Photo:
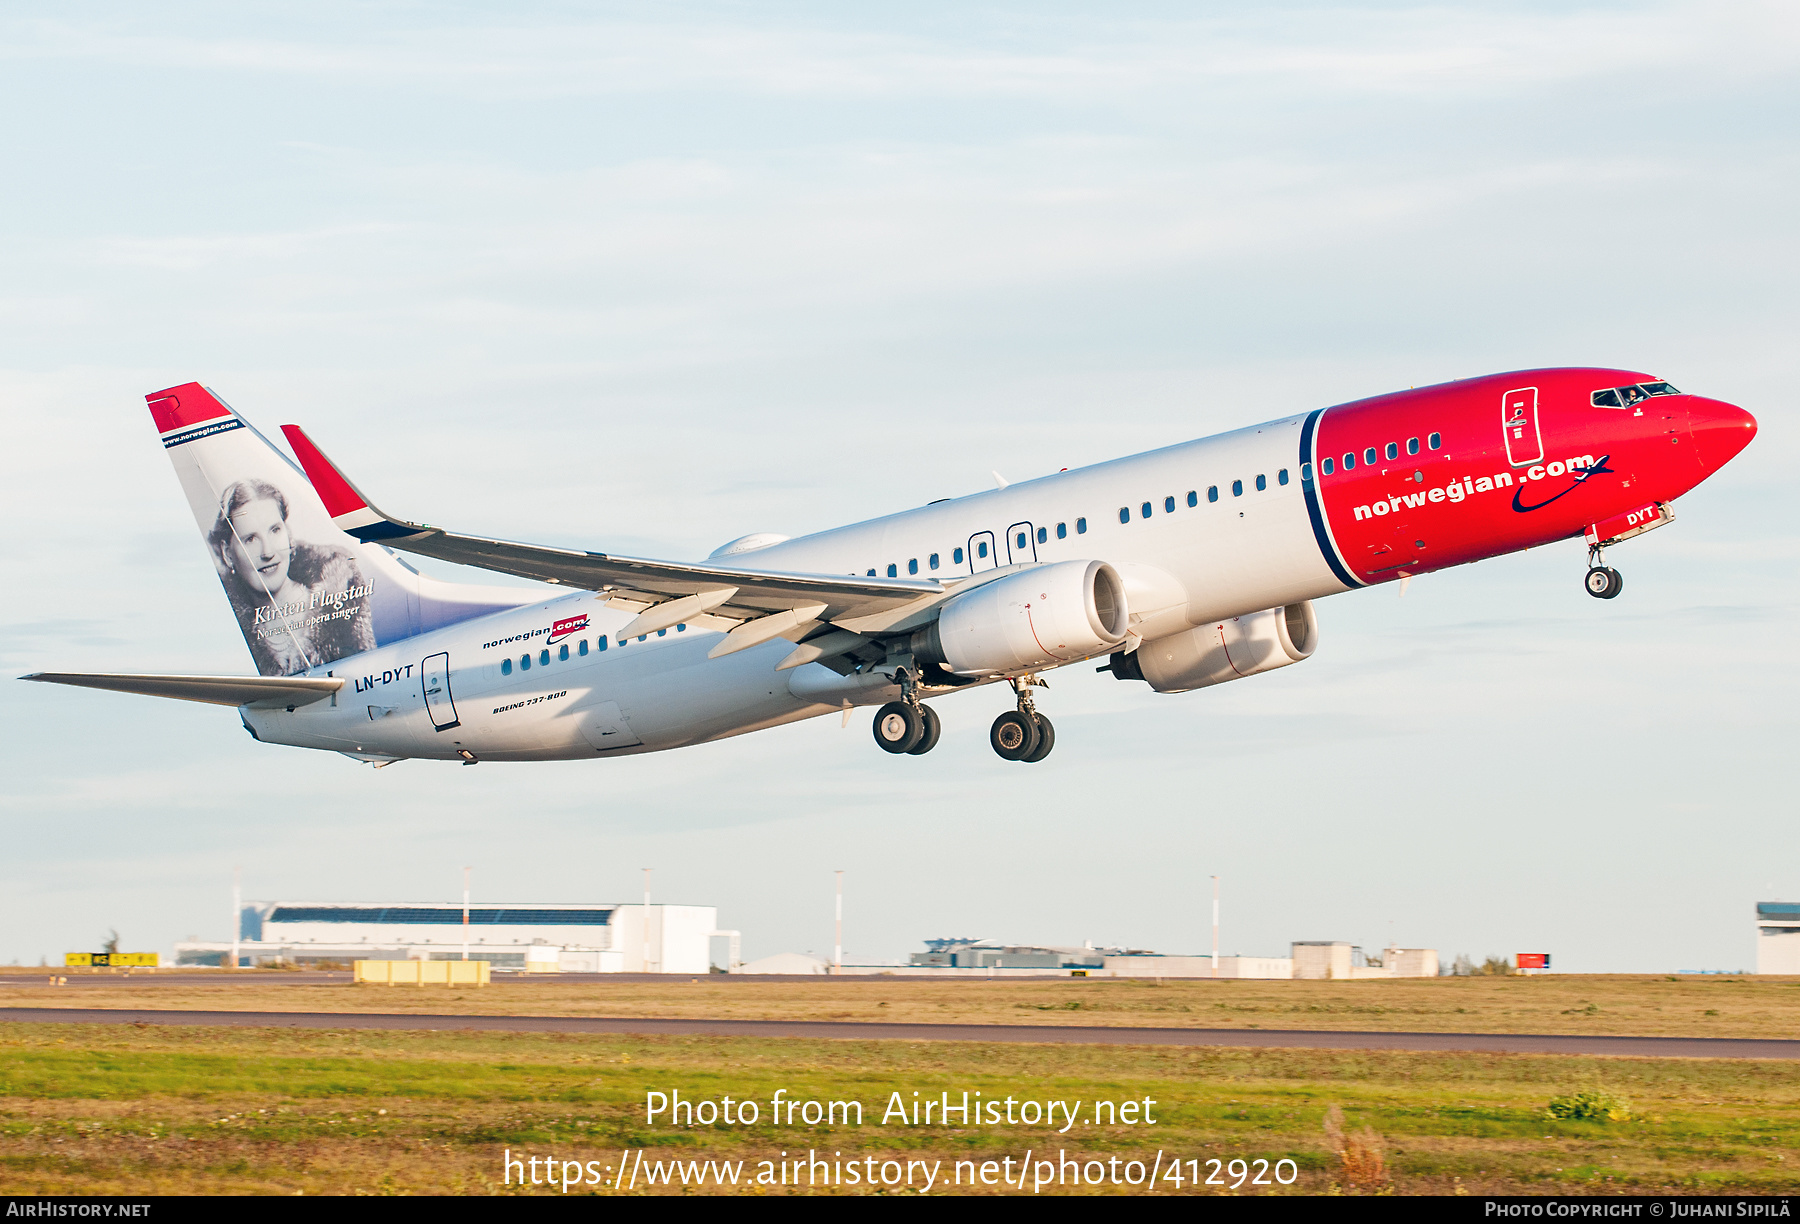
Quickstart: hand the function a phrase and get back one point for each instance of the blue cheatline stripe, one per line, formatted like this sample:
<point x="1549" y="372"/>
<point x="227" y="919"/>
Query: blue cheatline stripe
<point x="217" y="426"/>
<point x="382" y="531"/>
<point x="1314" y="510"/>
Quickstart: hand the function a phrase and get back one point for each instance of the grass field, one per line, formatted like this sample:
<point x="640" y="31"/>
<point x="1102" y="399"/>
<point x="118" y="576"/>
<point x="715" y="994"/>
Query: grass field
<point x="1747" y="1006"/>
<point x="101" y="1109"/>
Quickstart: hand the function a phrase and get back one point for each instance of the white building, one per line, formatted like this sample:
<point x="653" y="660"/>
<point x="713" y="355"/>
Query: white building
<point x="1777" y="937"/>
<point x="569" y="938"/>
<point x="1319" y="959"/>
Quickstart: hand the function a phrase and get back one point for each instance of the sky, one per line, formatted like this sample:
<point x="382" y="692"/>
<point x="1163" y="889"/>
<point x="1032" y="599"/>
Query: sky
<point x="646" y="278"/>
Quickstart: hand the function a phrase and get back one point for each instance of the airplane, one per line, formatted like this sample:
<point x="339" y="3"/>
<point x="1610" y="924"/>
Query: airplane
<point x="1184" y="567"/>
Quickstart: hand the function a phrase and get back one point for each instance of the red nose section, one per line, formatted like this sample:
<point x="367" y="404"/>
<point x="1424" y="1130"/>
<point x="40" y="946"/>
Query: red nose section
<point x="1720" y="430"/>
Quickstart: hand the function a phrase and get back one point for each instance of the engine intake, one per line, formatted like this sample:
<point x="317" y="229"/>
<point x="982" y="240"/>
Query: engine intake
<point x="1223" y="650"/>
<point x="1038" y="618"/>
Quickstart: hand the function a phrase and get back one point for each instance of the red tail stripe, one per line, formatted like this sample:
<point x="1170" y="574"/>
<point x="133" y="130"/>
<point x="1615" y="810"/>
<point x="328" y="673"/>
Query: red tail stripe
<point x="333" y="489"/>
<point x="179" y="407"/>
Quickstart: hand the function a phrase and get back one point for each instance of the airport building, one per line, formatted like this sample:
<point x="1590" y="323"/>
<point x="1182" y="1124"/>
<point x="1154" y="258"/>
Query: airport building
<point x="540" y="937"/>
<point x="1777" y="937"/>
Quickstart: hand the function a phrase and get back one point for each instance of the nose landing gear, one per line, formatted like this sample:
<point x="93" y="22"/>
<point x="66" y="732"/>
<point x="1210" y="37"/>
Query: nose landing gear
<point x="1023" y="734"/>
<point x="1602" y="582"/>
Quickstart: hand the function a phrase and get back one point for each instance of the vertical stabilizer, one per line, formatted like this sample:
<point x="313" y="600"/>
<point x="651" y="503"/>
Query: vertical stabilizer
<point x="305" y="594"/>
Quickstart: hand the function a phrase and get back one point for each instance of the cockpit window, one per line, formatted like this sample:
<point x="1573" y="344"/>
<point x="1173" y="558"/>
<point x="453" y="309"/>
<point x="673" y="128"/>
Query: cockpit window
<point x="1625" y="397"/>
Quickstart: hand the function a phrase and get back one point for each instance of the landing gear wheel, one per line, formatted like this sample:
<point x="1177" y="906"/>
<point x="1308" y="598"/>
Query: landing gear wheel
<point x="928" y="738"/>
<point x="1604" y="582"/>
<point x="1046" y="740"/>
<point x="1014" y="735"/>
<point x="898" y="727"/>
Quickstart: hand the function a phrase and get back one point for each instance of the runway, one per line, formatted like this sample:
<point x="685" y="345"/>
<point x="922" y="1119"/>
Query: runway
<point x="832" y="1030"/>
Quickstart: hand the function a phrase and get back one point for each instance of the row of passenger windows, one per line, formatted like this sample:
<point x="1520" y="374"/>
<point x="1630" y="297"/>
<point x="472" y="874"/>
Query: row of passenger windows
<point x="981" y="549"/>
<point x="1373" y="454"/>
<point x="1193" y="497"/>
<point x="581" y="648"/>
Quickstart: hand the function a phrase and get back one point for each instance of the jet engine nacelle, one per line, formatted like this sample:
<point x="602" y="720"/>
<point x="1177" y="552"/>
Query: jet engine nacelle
<point x="1038" y="618"/>
<point x="1223" y="650"/>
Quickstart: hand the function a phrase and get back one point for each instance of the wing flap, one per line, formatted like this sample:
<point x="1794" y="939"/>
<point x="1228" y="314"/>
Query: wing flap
<point x="259" y="691"/>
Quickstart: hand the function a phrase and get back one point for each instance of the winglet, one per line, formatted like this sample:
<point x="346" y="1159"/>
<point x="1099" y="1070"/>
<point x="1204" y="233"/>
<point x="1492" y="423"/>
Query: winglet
<point x="350" y="511"/>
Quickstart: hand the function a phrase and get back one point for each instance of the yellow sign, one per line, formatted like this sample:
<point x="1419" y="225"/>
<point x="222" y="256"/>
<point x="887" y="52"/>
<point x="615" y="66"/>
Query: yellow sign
<point x="110" y="960"/>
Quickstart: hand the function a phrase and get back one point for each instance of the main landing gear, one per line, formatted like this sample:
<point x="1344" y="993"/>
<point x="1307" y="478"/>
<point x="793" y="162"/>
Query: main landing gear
<point x="1023" y="734"/>
<point x="1602" y="582"/>
<point x="909" y="725"/>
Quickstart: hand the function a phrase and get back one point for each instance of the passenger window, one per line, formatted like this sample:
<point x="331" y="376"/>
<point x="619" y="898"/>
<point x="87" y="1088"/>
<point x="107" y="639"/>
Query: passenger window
<point x="1080" y="526"/>
<point x="932" y="561"/>
<point x="1393" y="450"/>
<point x="1020" y="542"/>
<point x="1193" y="498"/>
<point x="544" y="657"/>
<point x="1043" y="535"/>
<point x="871" y="573"/>
<point x="1281" y="476"/>
<point x="680" y="628"/>
<point x="893" y="570"/>
<point x="1144" y="510"/>
<point x="1325" y="468"/>
<point x="1262" y="482"/>
<point x="524" y="662"/>
<point x="981" y="549"/>
<point x="1435" y="441"/>
<point x="1062" y="531"/>
<point x="581" y="647"/>
<point x="1349" y="460"/>
<point x="1124" y="514"/>
<point x="1369" y="456"/>
<point x="506" y="667"/>
<point x="642" y="636"/>
<point x="1212" y="493"/>
<point x="662" y="633"/>
<point x="912" y="566"/>
<point x="1168" y="505"/>
<point x="562" y="653"/>
<point x="1237" y="488"/>
<point x="600" y="643"/>
<point x="956" y="557"/>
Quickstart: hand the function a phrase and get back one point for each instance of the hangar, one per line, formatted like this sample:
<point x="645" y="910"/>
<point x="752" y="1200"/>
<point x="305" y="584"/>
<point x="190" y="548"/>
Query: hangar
<point x="572" y="938"/>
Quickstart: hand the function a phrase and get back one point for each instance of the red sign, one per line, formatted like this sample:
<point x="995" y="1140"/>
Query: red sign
<point x="563" y="628"/>
<point x="1533" y="960"/>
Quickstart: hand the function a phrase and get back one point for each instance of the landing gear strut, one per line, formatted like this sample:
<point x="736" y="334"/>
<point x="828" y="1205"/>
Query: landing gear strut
<point x="1602" y="581"/>
<point x="909" y="725"/>
<point x="1023" y="734"/>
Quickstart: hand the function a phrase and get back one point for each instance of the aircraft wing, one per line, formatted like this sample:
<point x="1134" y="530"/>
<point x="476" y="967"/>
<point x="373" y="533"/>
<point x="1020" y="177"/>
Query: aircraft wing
<point x="260" y="691"/>
<point x="678" y="591"/>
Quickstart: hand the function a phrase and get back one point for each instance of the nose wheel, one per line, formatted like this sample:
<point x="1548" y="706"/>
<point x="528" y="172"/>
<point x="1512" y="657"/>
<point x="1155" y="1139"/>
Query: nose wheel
<point x="1602" y="581"/>
<point x="1023" y="734"/>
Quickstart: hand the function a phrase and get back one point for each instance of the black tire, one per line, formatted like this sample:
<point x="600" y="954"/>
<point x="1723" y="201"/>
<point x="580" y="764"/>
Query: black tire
<point x="1013" y="736"/>
<point x="934" y="727"/>
<point x="898" y="727"/>
<point x="1604" y="582"/>
<point x="1046" y="741"/>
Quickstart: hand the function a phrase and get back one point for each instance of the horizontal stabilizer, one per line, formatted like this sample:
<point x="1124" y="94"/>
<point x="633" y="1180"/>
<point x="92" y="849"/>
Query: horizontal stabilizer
<point x="259" y="691"/>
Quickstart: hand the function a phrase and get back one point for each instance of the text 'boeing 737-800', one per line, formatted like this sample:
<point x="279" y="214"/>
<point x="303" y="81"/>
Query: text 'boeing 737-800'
<point x="1183" y="567"/>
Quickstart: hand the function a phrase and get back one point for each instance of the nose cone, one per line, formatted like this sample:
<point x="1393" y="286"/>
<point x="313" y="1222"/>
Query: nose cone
<point x="1720" y="430"/>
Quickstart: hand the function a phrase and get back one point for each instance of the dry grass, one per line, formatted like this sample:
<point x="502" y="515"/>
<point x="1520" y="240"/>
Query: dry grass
<point x="120" y="1109"/>
<point x="1747" y="1006"/>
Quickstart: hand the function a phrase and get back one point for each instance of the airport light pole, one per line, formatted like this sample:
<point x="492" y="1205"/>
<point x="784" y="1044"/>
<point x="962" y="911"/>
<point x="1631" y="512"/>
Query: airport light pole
<point x="837" y="942"/>
<point x="646" y="968"/>
<point x="1215" y="955"/>
<point x="237" y="911"/>
<point x="465" y="913"/>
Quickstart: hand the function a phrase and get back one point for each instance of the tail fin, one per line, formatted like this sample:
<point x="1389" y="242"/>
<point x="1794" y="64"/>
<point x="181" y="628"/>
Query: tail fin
<point x="305" y="594"/>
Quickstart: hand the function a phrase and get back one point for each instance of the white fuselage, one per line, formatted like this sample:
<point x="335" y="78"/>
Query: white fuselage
<point x="1182" y="567"/>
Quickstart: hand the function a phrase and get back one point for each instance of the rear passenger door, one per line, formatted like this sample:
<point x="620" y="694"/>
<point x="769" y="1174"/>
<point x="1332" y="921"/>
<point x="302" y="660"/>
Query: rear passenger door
<point x="1021" y="544"/>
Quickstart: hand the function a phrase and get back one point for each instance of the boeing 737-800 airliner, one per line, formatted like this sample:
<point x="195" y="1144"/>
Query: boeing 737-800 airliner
<point x="1182" y="568"/>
